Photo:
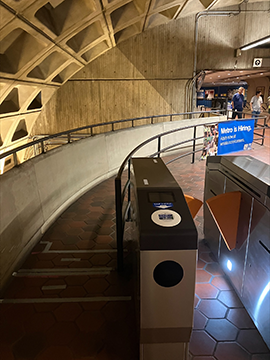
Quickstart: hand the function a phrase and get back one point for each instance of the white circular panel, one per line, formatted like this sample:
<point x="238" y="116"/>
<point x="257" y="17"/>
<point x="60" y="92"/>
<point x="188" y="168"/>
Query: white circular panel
<point x="166" y="218"/>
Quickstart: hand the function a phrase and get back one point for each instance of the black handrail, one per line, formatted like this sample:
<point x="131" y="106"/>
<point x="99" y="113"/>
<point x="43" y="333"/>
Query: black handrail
<point x="120" y="195"/>
<point x="91" y="127"/>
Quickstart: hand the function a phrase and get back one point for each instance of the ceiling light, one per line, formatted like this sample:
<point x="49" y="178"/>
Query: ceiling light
<point x="210" y="78"/>
<point x="237" y="77"/>
<point x="241" y="70"/>
<point x="218" y="75"/>
<point x="261" y="73"/>
<point x="229" y="74"/>
<point x="256" y="43"/>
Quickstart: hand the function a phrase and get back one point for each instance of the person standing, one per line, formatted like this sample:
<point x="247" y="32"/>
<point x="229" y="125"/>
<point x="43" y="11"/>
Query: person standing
<point x="256" y="105"/>
<point x="238" y="103"/>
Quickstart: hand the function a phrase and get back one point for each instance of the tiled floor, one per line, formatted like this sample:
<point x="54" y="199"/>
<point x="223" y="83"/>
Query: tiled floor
<point x="68" y="303"/>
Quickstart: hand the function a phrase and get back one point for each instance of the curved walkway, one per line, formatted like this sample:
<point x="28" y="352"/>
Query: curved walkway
<point x="67" y="302"/>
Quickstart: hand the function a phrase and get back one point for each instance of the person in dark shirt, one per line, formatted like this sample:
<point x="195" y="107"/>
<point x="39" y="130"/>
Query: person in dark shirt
<point x="238" y="104"/>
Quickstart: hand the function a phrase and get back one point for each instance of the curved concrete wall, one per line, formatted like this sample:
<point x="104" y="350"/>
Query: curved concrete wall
<point x="34" y="194"/>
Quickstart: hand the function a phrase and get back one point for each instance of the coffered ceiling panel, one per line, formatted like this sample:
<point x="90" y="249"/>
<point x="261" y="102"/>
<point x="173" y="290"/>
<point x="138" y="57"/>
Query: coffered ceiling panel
<point x="43" y="43"/>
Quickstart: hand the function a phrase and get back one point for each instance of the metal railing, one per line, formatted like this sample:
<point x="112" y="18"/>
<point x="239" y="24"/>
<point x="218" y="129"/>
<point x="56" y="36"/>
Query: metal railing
<point x="123" y="214"/>
<point x="41" y="144"/>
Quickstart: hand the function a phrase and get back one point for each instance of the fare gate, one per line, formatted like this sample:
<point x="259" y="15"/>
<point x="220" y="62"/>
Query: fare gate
<point x="167" y="255"/>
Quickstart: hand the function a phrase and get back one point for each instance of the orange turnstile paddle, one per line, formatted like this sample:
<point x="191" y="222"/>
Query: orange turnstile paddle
<point x="193" y="205"/>
<point x="225" y="209"/>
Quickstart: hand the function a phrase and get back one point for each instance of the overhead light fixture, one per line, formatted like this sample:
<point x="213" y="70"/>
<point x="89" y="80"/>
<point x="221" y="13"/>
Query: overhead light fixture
<point x="256" y="43"/>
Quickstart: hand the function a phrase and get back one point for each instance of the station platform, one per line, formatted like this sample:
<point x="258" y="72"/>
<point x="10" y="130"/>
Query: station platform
<point x="67" y="302"/>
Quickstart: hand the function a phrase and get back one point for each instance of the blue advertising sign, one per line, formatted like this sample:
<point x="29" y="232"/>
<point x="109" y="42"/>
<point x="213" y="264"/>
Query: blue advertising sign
<point x="235" y="136"/>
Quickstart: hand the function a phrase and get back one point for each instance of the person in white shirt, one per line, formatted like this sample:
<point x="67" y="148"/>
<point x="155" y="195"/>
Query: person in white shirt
<point x="256" y="105"/>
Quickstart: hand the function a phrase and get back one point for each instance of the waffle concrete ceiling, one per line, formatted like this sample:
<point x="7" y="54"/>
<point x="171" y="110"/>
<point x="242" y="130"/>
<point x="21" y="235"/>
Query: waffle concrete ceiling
<point x="44" y="43"/>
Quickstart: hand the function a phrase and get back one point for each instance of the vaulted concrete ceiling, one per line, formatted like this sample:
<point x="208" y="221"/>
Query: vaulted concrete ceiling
<point x="44" y="43"/>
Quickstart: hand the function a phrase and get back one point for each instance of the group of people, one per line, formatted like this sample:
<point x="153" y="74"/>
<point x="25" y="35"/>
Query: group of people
<point x="210" y="142"/>
<point x="255" y="105"/>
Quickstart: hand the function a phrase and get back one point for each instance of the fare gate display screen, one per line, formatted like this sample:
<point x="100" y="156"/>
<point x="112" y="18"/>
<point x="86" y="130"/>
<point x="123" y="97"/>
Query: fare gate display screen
<point x="161" y="197"/>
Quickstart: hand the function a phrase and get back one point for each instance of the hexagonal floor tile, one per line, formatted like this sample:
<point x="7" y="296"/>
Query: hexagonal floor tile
<point x="62" y="333"/>
<point x="39" y="322"/>
<point x="56" y="353"/>
<point x="90" y="321"/>
<point x="67" y="312"/>
<point x="199" y="320"/>
<point x="230" y="351"/>
<point x="206" y="291"/>
<point x="252" y="341"/>
<point x="221" y="330"/>
<point x="202" y="276"/>
<point x="240" y="318"/>
<point x="96" y="285"/>
<point x="221" y="283"/>
<point x="230" y="299"/>
<point x="201" y="343"/>
<point x="213" y="309"/>
<point x="100" y="259"/>
<point x="29" y="346"/>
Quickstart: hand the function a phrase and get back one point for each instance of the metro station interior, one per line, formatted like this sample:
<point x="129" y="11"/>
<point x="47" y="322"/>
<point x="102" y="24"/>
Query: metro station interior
<point x="122" y="72"/>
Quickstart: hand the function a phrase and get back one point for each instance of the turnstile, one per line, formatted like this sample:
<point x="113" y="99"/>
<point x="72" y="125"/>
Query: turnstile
<point x="167" y="255"/>
<point x="245" y="259"/>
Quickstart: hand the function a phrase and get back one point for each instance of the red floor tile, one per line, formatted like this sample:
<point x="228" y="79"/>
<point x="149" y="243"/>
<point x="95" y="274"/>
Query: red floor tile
<point x="6" y="352"/>
<point x="252" y="341"/>
<point x="202" y="276"/>
<point x="240" y="318"/>
<point x="213" y="309"/>
<point x="201" y="343"/>
<point x="230" y="299"/>
<point x="62" y="333"/>
<point x="67" y="312"/>
<point x="221" y="330"/>
<point x="221" y="283"/>
<point x="56" y="353"/>
<point x="29" y="346"/>
<point x="230" y="351"/>
<point x="206" y="291"/>
<point x="199" y="320"/>
<point x="90" y="321"/>
<point x="39" y="322"/>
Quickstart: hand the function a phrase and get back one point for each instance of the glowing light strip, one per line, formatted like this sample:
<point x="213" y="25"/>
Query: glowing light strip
<point x="261" y="299"/>
<point x="257" y="43"/>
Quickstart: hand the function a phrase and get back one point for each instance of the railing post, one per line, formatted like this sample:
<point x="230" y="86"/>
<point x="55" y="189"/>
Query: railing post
<point x="170" y="117"/>
<point x="42" y="147"/>
<point x="159" y="145"/>
<point x="152" y="120"/>
<point x="119" y="224"/>
<point x="91" y="131"/>
<point x="15" y="159"/>
<point x="263" y="134"/>
<point x="132" y="123"/>
<point x="194" y="145"/>
<point x="129" y="194"/>
<point x="69" y="137"/>
<point x="112" y="127"/>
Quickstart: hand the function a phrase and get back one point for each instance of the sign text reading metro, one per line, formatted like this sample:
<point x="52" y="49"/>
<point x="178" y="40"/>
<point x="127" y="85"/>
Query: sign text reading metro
<point x="235" y="136"/>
